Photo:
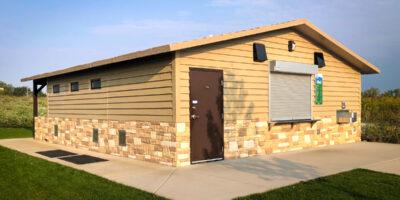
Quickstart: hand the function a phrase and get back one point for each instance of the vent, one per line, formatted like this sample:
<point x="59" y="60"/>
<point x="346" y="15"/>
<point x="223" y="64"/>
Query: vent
<point x="95" y="135"/>
<point x="259" y="52"/>
<point x="319" y="59"/>
<point x="55" y="130"/>
<point x="122" y="137"/>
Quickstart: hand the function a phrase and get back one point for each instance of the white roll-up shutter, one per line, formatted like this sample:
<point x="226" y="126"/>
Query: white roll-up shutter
<point x="290" y="96"/>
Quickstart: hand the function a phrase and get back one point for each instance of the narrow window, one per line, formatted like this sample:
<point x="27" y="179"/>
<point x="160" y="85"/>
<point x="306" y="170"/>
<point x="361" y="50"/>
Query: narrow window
<point x="95" y="135"/>
<point x="55" y="130"/>
<point x="122" y="137"/>
<point x="74" y="86"/>
<point x="95" y="84"/>
<point x="56" y="88"/>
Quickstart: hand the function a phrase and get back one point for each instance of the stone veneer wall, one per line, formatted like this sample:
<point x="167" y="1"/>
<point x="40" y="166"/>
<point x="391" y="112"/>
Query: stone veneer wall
<point x="247" y="138"/>
<point x="149" y="141"/>
<point x="169" y="144"/>
<point x="243" y="138"/>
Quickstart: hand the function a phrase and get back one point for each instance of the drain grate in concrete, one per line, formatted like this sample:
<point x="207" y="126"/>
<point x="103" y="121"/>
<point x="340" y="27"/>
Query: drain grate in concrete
<point x="56" y="153"/>
<point x="82" y="159"/>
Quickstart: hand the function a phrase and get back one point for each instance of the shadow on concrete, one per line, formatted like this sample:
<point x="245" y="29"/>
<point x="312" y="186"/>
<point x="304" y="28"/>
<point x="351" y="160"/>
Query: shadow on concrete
<point x="272" y="168"/>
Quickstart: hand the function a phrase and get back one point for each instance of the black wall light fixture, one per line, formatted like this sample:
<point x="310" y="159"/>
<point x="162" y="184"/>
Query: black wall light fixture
<point x="319" y="59"/>
<point x="291" y="45"/>
<point x="259" y="52"/>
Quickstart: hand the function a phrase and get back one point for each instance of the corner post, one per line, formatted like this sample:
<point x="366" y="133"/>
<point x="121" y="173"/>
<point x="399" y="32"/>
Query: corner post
<point x="35" y="93"/>
<point x="35" y="104"/>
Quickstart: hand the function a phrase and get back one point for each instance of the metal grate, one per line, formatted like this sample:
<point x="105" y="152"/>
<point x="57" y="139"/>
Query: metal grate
<point x="82" y="159"/>
<point x="56" y="153"/>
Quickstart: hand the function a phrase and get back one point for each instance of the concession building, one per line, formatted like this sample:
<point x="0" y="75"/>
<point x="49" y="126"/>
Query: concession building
<point x="269" y="89"/>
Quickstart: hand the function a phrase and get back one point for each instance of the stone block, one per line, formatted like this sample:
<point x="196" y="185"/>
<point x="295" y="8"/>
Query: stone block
<point x="137" y="141"/>
<point x="233" y="146"/>
<point x="185" y="145"/>
<point x="248" y="144"/>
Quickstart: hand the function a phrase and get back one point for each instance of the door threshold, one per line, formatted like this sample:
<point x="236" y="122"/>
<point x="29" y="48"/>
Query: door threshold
<point x="208" y="160"/>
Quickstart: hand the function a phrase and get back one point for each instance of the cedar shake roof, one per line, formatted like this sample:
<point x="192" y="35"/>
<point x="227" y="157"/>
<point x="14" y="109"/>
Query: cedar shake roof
<point x="301" y="25"/>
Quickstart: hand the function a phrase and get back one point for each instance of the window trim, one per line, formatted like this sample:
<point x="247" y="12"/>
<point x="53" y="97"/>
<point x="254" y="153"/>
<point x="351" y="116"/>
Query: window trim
<point x="91" y="85"/>
<point x="59" y="88"/>
<point x="70" y="86"/>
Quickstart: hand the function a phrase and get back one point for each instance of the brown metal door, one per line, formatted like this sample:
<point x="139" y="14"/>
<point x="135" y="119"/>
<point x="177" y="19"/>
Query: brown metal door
<point x="206" y="120"/>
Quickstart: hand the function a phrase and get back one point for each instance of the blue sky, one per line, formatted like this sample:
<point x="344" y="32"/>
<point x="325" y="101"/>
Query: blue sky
<point x="39" y="36"/>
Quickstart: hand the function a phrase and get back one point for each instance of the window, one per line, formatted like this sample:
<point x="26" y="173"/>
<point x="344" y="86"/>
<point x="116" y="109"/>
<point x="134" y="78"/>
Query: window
<point x="56" y="88"/>
<point x="95" y="135"/>
<point x="55" y="130"/>
<point x="290" y="96"/>
<point x="122" y="137"/>
<point x="74" y="86"/>
<point x="95" y="84"/>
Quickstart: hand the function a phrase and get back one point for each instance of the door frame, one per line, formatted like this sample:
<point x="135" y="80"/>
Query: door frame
<point x="222" y="117"/>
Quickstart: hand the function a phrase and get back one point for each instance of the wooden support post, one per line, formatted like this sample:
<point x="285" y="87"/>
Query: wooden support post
<point x="35" y="104"/>
<point x="35" y="93"/>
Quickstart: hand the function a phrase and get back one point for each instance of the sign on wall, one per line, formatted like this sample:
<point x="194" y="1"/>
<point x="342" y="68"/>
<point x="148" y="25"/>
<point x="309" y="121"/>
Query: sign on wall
<point x="318" y="89"/>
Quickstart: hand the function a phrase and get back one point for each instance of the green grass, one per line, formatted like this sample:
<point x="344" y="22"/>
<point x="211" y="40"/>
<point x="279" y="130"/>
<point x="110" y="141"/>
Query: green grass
<point x="27" y="177"/>
<point x="6" y="133"/>
<point x="354" y="184"/>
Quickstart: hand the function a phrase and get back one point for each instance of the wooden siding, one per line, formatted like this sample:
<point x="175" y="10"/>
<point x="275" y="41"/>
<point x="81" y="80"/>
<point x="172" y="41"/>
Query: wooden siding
<point x="246" y="82"/>
<point x="130" y="91"/>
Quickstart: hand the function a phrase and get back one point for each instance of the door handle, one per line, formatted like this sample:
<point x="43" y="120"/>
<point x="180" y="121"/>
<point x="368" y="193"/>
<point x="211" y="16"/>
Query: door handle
<point x="194" y="116"/>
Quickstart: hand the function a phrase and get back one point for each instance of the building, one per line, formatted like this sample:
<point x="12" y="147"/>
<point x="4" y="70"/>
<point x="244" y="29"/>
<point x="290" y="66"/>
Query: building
<point x="265" y="90"/>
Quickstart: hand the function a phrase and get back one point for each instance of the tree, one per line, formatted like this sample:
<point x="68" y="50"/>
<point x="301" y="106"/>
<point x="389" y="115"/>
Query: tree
<point x="392" y="93"/>
<point x="371" y="92"/>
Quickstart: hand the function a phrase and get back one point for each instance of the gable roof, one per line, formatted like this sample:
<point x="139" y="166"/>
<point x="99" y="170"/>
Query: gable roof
<point x="301" y="25"/>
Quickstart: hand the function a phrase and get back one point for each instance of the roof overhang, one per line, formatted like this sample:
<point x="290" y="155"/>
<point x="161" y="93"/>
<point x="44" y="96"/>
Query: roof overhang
<point x="301" y="25"/>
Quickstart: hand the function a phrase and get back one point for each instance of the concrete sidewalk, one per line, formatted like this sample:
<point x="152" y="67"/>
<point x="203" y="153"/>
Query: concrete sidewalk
<point x="229" y="178"/>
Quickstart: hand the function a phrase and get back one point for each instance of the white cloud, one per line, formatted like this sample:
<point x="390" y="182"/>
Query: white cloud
<point x="240" y="2"/>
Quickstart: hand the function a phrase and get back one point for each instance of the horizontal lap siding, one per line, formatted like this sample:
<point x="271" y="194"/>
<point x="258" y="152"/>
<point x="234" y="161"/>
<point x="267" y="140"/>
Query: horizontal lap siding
<point x="246" y="81"/>
<point x="131" y="91"/>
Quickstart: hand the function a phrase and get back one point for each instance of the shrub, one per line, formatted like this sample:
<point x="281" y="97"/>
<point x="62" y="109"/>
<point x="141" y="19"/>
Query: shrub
<point x="17" y="111"/>
<point x="381" y="117"/>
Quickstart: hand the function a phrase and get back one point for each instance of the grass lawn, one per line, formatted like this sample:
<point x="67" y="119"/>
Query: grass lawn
<point x="15" y="133"/>
<point x="26" y="177"/>
<point x="354" y="184"/>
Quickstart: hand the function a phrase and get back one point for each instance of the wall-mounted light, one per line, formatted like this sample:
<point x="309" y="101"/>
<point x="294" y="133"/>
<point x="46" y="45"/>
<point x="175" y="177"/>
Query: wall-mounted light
<point x="291" y="45"/>
<point x="259" y="52"/>
<point x="319" y="59"/>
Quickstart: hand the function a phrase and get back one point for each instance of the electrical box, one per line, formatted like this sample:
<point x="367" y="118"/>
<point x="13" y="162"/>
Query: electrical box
<point x="343" y="116"/>
<point x="353" y="117"/>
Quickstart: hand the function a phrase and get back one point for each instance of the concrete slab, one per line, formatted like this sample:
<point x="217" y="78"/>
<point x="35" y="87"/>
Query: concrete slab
<point x="229" y="178"/>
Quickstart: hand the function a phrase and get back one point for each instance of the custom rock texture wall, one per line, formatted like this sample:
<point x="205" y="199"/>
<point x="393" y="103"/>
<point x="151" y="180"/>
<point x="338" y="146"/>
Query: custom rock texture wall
<point x="245" y="138"/>
<point x="148" y="141"/>
<point x="169" y="144"/>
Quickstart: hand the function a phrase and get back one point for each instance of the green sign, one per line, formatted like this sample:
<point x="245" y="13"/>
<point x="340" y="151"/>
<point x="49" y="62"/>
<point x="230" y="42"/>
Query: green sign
<point x="318" y="89"/>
